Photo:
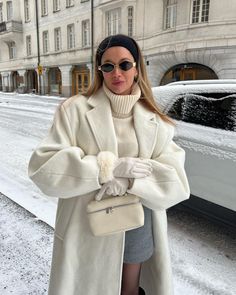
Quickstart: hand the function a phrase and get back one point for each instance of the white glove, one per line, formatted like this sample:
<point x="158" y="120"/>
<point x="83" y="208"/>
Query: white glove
<point x="128" y="167"/>
<point x="114" y="187"/>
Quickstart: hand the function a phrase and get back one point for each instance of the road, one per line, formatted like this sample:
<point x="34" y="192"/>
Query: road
<point x="203" y="254"/>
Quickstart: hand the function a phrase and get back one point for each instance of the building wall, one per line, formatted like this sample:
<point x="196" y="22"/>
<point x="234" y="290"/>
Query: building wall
<point x="211" y="44"/>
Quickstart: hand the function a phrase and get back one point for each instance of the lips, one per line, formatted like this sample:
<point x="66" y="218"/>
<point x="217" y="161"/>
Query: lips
<point x="117" y="83"/>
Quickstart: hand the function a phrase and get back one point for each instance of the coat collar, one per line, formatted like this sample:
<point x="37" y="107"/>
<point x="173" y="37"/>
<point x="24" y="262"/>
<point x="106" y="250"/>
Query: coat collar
<point x="101" y="123"/>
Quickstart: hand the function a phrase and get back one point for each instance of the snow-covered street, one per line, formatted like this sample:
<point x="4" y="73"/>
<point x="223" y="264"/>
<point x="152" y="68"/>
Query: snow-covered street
<point x="203" y="254"/>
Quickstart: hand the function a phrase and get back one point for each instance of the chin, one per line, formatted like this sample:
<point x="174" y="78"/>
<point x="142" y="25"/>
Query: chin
<point x="121" y="91"/>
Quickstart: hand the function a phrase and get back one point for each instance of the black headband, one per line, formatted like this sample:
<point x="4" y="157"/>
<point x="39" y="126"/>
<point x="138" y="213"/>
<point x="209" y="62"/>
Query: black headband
<point x="117" y="40"/>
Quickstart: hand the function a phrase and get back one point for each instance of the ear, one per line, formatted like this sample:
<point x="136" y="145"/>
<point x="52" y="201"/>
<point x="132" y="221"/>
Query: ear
<point x="135" y="75"/>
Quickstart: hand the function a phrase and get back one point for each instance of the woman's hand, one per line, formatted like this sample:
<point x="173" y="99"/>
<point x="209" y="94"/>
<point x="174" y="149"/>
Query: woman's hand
<point x="128" y="167"/>
<point x="115" y="187"/>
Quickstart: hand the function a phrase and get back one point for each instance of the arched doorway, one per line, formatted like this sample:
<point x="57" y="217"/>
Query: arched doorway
<point x="189" y="71"/>
<point x="54" y="81"/>
<point x="31" y="81"/>
<point x="80" y="79"/>
<point x="16" y="80"/>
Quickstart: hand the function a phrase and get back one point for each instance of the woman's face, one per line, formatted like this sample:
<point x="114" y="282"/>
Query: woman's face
<point x="118" y="81"/>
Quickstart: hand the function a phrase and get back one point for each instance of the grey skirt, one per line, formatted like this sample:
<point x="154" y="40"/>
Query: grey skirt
<point x="139" y="242"/>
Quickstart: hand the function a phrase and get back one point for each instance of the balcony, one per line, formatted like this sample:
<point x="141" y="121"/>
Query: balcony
<point x="11" y="30"/>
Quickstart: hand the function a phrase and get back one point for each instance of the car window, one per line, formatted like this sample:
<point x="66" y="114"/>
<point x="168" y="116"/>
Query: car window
<point x="217" y="111"/>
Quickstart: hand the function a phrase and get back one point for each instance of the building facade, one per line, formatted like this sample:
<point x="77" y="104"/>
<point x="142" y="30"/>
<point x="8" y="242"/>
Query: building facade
<point x="48" y="46"/>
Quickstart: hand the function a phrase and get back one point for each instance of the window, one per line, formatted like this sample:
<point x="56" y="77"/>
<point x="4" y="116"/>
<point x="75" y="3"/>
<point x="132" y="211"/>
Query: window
<point x="9" y="10"/>
<point x="200" y="11"/>
<point x="1" y="14"/>
<point x="56" y="5"/>
<point x="45" y="42"/>
<point x="69" y="3"/>
<point x="85" y="33"/>
<point x="214" y="109"/>
<point x="170" y="15"/>
<point x="27" y="12"/>
<point x="113" y="22"/>
<point x="57" y="36"/>
<point x="12" y="50"/>
<point x="28" y="45"/>
<point x="70" y="36"/>
<point x="130" y="20"/>
<point x="44" y="7"/>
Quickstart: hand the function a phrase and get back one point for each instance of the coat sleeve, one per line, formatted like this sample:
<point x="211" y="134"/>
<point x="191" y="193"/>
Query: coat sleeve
<point x="59" y="167"/>
<point x="168" y="184"/>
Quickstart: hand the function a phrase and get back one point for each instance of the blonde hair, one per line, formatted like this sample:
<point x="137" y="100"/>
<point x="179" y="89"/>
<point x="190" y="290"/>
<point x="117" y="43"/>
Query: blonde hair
<point x="142" y="80"/>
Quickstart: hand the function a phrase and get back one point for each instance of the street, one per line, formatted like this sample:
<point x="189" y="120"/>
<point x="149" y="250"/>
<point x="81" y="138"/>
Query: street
<point x="203" y="254"/>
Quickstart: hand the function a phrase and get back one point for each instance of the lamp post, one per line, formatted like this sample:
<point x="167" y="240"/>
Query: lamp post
<point x="92" y="37"/>
<point x="39" y="67"/>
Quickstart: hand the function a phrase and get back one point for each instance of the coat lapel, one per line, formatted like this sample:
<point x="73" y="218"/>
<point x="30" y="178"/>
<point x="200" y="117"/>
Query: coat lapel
<point x="102" y="126"/>
<point x="101" y="122"/>
<point x="146" y="126"/>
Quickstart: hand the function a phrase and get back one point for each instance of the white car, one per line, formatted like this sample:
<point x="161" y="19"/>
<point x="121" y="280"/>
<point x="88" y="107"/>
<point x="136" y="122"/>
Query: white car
<point x="205" y="116"/>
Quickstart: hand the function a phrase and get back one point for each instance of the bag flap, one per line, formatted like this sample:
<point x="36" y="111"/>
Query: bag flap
<point x="112" y="202"/>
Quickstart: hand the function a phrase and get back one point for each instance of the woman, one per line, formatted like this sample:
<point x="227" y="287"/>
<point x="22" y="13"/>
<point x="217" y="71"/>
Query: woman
<point x="111" y="140"/>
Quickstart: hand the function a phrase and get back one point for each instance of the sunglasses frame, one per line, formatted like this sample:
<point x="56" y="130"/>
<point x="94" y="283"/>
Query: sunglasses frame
<point x="117" y="65"/>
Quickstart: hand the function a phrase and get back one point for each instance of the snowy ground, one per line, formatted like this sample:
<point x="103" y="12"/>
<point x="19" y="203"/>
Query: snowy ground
<point x="24" y="120"/>
<point x="203" y="254"/>
<point x="26" y="246"/>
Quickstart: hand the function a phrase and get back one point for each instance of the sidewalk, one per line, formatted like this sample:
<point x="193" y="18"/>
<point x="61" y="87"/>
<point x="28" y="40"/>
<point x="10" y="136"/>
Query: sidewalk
<point x="25" y="251"/>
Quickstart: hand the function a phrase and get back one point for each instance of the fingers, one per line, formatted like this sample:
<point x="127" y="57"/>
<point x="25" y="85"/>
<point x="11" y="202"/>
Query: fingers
<point x="141" y="169"/>
<point x="133" y="168"/>
<point x="145" y="166"/>
<point x="101" y="192"/>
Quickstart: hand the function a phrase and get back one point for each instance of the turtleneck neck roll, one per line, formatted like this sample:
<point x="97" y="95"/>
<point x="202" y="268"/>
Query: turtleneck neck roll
<point x="122" y="104"/>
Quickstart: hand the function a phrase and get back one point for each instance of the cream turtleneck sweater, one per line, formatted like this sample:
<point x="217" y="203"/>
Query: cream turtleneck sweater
<point x="122" y="106"/>
<point x="138" y="242"/>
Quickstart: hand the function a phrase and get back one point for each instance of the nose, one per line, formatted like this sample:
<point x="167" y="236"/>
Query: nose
<point x="116" y="70"/>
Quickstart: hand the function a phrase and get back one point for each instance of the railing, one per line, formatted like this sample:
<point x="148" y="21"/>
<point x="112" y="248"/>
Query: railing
<point x="3" y="27"/>
<point x="11" y="26"/>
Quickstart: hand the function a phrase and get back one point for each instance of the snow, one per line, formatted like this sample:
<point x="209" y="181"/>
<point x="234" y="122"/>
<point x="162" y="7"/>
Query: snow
<point x="166" y="95"/>
<point x="25" y="120"/>
<point x="203" y="254"/>
<point x="208" y="111"/>
<point x="26" y="250"/>
<point x="207" y="140"/>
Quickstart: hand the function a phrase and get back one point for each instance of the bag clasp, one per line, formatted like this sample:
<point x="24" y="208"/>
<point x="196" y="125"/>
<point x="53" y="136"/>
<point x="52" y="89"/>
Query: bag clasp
<point x="109" y="210"/>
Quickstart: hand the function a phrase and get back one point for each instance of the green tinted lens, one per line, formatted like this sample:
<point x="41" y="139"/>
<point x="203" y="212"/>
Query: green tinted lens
<point x="107" y="67"/>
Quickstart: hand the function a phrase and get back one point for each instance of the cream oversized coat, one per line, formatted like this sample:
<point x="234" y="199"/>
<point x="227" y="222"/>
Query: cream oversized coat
<point x="65" y="165"/>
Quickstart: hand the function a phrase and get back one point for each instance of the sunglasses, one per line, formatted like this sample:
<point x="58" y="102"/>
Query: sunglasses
<point x="124" y="66"/>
